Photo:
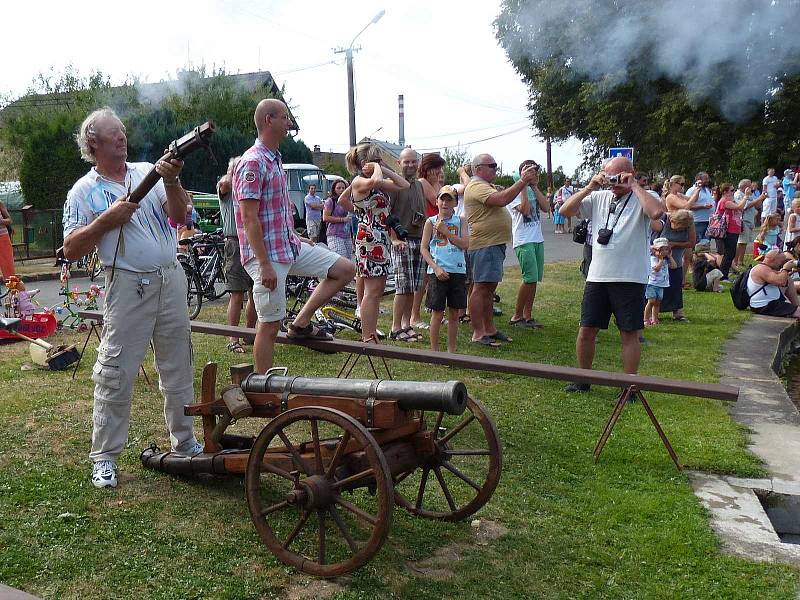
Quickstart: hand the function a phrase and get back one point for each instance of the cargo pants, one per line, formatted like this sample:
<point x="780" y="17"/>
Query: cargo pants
<point x="140" y="307"/>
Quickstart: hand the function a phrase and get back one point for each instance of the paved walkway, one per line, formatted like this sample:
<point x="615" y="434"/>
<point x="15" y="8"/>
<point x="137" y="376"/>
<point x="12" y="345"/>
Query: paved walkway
<point x="752" y="359"/>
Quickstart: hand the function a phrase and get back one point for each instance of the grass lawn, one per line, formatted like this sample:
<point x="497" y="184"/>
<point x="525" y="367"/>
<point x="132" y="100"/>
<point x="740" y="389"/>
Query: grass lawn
<point x="628" y="527"/>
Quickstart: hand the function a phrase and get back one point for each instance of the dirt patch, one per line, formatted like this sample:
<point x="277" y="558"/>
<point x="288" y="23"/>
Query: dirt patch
<point x="439" y="566"/>
<point x="315" y="588"/>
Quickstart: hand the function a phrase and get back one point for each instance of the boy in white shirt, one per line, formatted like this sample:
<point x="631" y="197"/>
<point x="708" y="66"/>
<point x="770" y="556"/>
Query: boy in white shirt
<point x="528" y="244"/>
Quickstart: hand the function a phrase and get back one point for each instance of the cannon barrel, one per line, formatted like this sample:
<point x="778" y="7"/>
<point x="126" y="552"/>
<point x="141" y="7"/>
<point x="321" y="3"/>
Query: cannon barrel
<point x="448" y="396"/>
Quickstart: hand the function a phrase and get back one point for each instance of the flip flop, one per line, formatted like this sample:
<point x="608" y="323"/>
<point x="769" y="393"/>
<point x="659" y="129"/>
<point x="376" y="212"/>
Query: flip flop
<point x="309" y="332"/>
<point x="501" y="337"/>
<point x="487" y="341"/>
<point x="464" y="319"/>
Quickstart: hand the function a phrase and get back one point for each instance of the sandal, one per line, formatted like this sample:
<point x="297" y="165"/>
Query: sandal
<point x="413" y="336"/>
<point x="236" y="347"/>
<point x="464" y="319"/>
<point x="401" y="335"/>
<point x="517" y="322"/>
<point x="309" y="332"/>
<point x="487" y="341"/>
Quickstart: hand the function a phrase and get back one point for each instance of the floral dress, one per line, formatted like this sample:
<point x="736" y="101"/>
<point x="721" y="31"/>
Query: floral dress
<point x="372" y="236"/>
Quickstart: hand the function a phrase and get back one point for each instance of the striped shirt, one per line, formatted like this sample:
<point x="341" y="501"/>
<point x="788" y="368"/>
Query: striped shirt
<point x="259" y="176"/>
<point x="148" y="242"/>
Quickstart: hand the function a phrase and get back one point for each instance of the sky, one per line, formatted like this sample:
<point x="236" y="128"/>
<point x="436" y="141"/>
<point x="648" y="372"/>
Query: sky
<point x="459" y="87"/>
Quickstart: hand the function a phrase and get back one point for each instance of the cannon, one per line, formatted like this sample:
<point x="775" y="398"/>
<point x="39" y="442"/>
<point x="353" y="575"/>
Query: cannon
<point x="324" y="474"/>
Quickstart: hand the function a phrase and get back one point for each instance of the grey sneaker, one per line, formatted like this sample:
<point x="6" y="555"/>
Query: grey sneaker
<point x="104" y="474"/>
<point x="193" y="450"/>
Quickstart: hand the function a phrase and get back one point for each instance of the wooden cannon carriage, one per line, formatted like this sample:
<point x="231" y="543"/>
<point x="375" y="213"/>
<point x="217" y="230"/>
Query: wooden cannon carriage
<point x="324" y="474"/>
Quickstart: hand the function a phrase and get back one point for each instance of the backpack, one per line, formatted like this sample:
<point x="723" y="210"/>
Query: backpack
<point x="739" y="294"/>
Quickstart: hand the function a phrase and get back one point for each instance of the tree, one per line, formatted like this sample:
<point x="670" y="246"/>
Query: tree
<point x="453" y="159"/>
<point x="37" y="130"/>
<point x="686" y="102"/>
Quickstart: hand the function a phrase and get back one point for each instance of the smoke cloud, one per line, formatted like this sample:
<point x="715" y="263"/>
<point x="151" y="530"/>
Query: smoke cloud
<point x="732" y="52"/>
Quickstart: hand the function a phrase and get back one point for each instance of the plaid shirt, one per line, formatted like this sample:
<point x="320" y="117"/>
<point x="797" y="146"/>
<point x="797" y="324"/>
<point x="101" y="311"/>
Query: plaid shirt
<point x="259" y="176"/>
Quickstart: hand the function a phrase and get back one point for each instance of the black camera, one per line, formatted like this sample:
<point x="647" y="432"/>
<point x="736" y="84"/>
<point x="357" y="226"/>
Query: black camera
<point x="604" y="236"/>
<point x="399" y="230"/>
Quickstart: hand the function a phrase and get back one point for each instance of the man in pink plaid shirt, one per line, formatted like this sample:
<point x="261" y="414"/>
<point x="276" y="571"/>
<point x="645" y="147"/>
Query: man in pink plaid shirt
<point x="269" y="247"/>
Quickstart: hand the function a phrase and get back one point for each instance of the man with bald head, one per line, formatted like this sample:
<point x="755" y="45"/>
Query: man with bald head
<point x="620" y="211"/>
<point x="269" y="247"/>
<point x="490" y="231"/>
<point x="408" y="205"/>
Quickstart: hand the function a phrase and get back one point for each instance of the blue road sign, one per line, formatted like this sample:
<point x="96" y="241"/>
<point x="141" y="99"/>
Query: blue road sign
<point x="626" y="152"/>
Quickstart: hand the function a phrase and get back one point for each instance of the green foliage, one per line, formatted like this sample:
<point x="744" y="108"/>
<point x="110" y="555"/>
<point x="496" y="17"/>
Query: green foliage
<point x="41" y="129"/>
<point x="293" y="150"/>
<point x="680" y="123"/>
<point x="453" y="159"/>
<point x="335" y="169"/>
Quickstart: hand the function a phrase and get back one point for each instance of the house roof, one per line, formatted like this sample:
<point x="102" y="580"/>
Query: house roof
<point x="390" y="147"/>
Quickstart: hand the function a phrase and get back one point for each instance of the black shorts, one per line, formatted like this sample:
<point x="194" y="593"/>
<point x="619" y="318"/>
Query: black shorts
<point x="451" y="293"/>
<point x="780" y="307"/>
<point x="622" y="299"/>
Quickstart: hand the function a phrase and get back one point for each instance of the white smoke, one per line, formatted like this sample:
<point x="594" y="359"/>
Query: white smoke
<point x="753" y="43"/>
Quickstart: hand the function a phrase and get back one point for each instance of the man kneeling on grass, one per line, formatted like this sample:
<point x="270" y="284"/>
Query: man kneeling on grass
<point x="444" y="239"/>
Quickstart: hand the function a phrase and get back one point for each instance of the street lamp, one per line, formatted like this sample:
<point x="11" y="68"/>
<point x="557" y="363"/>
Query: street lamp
<point x="348" y="53"/>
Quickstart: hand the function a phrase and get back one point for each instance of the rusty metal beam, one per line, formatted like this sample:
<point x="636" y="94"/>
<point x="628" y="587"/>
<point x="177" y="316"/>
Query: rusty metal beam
<point x="714" y="391"/>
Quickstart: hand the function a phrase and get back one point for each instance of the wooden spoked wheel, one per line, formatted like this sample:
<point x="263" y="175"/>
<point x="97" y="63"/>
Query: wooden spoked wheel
<point x="319" y="491"/>
<point x="463" y="471"/>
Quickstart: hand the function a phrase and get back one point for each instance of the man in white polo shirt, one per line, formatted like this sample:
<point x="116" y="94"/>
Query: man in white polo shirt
<point x="145" y="287"/>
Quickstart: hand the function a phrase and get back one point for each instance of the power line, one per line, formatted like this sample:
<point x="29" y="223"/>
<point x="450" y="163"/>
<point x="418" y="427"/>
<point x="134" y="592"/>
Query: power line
<point x="493" y="137"/>
<point x="309" y="67"/>
<point x="431" y="137"/>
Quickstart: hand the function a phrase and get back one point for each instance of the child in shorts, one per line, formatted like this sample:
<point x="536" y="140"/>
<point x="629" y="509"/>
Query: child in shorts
<point x="444" y="239"/>
<point x="661" y="262"/>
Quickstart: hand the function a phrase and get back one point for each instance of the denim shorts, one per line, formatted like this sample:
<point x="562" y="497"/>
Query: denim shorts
<point x="487" y="263"/>
<point x="654" y="292"/>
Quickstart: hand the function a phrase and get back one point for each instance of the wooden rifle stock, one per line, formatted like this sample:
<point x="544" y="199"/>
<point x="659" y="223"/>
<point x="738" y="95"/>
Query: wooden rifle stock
<point x="198" y="138"/>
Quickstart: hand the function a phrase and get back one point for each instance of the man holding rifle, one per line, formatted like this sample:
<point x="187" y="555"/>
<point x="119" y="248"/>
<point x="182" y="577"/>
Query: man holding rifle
<point x="145" y="287"/>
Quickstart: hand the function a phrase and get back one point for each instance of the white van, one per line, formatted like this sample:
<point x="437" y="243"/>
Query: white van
<point x="299" y="176"/>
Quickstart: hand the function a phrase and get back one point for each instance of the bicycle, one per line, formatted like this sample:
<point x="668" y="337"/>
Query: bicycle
<point x="90" y="262"/>
<point x="203" y="271"/>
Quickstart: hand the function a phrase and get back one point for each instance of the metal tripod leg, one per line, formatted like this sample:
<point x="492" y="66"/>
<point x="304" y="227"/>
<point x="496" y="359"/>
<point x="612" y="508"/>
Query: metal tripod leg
<point x="612" y="420"/>
<point x="626" y="395"/>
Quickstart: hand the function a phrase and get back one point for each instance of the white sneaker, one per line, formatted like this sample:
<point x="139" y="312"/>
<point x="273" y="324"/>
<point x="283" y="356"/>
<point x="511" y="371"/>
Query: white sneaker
<point x="104" y="474"/>
<point x="194" y="450"/>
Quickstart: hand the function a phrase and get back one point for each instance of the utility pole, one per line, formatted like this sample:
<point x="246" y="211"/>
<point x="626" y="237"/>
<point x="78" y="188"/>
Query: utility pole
<point x="348" y="54"/>
<point x="351" y="100"/>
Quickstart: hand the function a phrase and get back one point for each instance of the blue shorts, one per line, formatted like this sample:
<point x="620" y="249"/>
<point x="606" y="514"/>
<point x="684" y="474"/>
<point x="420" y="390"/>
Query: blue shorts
<point x="487" y="264"/>
<point x="653" y="292"/>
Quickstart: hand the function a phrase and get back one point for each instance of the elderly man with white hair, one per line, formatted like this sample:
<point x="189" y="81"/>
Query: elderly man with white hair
<point x="145" y="287"/>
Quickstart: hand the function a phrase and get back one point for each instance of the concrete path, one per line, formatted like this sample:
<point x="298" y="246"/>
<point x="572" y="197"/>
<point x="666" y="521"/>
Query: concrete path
<point x="751" y="361"/>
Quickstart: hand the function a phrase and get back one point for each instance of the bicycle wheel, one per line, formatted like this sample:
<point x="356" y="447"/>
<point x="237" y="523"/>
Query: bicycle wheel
<point x="194" y="289"/>
<point x="94" y="267"/>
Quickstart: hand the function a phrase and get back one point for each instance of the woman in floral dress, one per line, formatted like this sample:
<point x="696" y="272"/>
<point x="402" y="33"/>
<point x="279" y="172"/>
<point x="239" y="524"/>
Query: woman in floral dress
<point x="370" y="202"/>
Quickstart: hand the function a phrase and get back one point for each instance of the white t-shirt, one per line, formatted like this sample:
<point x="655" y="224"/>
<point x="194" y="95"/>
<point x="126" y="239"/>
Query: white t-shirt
<point x="770" y="185"/>
<point x="148" y="240"/>
<point x="626" y="257"/>
<point x="523" y="228"/>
